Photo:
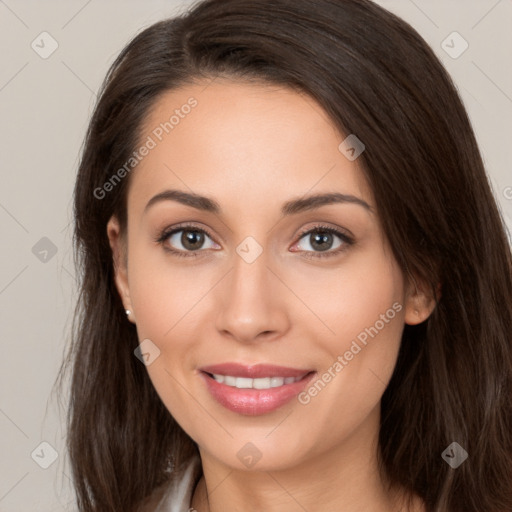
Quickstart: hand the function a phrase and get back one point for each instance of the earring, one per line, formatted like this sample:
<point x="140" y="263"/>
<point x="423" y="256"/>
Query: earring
<point x="128" y="312"/>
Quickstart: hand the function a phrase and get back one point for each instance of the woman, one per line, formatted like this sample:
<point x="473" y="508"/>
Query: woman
<point x="296" y="284"/>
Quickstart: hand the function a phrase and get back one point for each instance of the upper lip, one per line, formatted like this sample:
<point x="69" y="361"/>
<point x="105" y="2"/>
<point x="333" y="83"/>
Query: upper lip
<point x="254" y="371"/>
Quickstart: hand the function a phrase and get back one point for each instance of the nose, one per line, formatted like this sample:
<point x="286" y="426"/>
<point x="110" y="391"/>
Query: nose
<point x="252" y="302"/>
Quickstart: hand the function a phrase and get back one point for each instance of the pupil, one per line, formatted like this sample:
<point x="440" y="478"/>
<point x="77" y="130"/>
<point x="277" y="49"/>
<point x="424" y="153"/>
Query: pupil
<point x="192" y="239"/>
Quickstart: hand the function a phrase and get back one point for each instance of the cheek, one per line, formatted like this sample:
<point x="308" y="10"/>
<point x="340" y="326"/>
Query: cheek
<point x="165" y="299"/>
<point x="353" y="297"/>
<point x="163" y="292"/>
<point x="371" y="308"/>
<point x="362" y="305"/>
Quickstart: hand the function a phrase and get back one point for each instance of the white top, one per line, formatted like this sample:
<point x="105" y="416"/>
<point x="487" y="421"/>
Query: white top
<point x="179" y="495"/>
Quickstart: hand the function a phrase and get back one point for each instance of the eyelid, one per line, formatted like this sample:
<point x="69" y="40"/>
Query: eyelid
<point x="325" y="227"/>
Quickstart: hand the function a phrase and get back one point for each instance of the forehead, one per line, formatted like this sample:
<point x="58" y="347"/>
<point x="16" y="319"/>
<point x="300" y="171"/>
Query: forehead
<point x="242" y="143"/>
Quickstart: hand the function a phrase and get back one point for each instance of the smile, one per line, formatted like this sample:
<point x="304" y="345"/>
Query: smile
<point x="254" y="389"/>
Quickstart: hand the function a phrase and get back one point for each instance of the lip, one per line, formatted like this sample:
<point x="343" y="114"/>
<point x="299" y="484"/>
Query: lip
<point x="254" y="402"/>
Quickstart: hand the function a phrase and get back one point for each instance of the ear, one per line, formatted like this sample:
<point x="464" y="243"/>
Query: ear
<point x="120" y="260"/>
<point x="420" y="300"/>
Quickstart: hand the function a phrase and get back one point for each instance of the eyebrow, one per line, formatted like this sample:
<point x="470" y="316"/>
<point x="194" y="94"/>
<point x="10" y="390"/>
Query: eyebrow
<point x="291" y="207"/>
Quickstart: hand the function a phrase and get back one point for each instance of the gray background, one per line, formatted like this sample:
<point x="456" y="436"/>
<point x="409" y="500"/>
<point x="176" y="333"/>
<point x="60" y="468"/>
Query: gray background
<point x="45" y="104"/>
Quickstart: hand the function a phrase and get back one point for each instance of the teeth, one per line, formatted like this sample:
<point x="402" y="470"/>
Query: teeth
<point x="243" y="382"/>
<point x="276" y="382"/>
<point x="262" y="383"/>
<point x="230" y="381"/>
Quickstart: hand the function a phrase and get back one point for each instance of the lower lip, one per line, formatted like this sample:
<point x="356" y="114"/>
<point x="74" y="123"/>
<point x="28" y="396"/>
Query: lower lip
<point x="253" y="402"/>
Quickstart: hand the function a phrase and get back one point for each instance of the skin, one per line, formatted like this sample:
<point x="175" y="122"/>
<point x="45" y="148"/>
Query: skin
<point x="251" y="147"/>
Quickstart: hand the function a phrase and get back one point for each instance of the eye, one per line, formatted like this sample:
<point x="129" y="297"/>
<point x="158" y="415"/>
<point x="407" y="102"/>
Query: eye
<point x="185" y="240"/>
<point x="188" y="241"/>
<point x="322" y="239"/>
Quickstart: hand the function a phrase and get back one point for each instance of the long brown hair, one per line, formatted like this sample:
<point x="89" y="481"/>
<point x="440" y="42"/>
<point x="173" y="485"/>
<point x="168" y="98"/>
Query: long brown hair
<point x="376" y="77"/>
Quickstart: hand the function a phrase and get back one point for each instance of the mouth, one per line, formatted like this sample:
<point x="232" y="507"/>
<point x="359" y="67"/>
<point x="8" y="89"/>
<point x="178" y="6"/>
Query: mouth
<point x="254" y="390"/>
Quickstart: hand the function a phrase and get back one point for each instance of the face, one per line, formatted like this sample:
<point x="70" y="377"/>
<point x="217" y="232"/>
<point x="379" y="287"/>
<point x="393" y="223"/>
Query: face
<point x="274" y="321"/>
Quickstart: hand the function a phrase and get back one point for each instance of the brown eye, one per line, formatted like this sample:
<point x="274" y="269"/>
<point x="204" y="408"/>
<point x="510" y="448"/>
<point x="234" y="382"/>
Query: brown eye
<point x="185" y="240"/>
<point x="324" y="241"/>
<point x="191" y="240"/>
<point x="321" y="241"/>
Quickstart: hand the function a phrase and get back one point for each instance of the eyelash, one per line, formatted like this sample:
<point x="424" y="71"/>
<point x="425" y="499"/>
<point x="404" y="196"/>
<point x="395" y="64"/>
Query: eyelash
<point x="347" y="241"/>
